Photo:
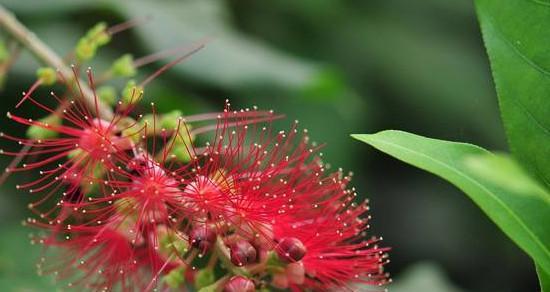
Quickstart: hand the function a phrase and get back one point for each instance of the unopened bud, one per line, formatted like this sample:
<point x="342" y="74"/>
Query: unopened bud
<point x="239" y="284"/>
<point x="243" y="253"/>
<point x="202" y="238"/>
<point x="290" y="249"/>
<point x="107" y="94"/>
<point x="131" y="93"/>
<point x="85" y="50"/>
<point x="124" y="66"/>
<point x="46" y="75"/>
<point x="98" y="34"/>
<point x="170" y="120"/>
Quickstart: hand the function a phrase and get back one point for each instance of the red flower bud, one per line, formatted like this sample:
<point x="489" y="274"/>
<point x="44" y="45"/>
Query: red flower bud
<point x="202" y="238"/>
<point x="243" y="253"/>
<point x="290" y="249"/>
<point x="239" y="284"/>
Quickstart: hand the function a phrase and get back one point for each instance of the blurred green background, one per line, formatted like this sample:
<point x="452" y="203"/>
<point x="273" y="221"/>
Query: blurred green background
<point x="340" y="67"/>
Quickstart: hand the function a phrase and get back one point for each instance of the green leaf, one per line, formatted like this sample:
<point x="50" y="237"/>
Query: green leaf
<point x="544" y="279"/>
<point x="516" y="35"/>
<point x="515" y="202"/>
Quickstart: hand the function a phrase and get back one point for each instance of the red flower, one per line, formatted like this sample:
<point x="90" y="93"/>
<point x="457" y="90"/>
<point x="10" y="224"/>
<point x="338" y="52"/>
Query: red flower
<point x="332" y="230"/>
<point x="243" y="180"/>
<point x="100" y="257"/>
<point x="78" y="144"/>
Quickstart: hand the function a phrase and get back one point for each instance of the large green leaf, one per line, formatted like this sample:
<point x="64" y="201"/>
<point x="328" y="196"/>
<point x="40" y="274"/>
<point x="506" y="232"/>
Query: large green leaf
<point x="516" y="35"/>
<point x="544" y="279"/>
<point x="516" y="203"/>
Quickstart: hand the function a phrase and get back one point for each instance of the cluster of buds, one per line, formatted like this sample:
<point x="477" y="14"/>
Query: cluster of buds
<point x="215" y="202"/>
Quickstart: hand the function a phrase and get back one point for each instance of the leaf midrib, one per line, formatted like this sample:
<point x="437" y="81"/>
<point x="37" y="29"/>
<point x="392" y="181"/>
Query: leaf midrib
<point x="475" y="182"/>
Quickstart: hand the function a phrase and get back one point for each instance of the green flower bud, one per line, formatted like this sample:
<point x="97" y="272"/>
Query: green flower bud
<point x="47" y="75"/>
<point x="107" y="94"/>
<point x="124" y="66"/>
<point x="204" y="277"/>
<point x="40" y="132"/>
<point x="176" y="278"/>
<point x="85" y="50"/>
<point x="131" y="93"/>
<point x="98" y="35"/>
<point x="170" y="120"/>
<point x="182" y="145"/>
<point x="181" y="153"/>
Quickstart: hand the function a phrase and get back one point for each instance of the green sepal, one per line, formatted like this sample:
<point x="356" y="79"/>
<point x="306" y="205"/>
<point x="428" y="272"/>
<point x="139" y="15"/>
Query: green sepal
<point x="204" y="278"/>
<point x="170" y="243"/>
<point x="274" y="264"/>
<point x="176" y="278"/>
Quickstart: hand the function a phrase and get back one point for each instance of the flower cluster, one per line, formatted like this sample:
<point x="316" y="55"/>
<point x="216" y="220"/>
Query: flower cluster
<point x="215" y="201"/>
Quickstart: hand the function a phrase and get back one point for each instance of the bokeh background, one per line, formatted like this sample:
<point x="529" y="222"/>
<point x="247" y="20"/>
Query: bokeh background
<point x="340" y="67"/>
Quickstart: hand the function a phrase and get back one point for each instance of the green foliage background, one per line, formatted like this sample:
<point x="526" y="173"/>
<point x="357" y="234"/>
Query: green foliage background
<point x="339" y="67"/>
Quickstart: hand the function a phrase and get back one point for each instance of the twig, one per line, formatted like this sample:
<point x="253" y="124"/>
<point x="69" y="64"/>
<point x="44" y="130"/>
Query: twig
<point x="44" y="53"/>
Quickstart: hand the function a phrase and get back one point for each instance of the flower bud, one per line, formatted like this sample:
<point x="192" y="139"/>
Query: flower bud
<point x="98" y="34"/>
<point x="132" y="93"/>
<point x="85" y="50"/>
<point x="239" y="284"/>
<point x="107" y="94"/>
<point x="290" y="249"/>
<point x="202" y="238"/>
<point x="242" y="253"/>
<point x="124" y="66"/>
<point x="170" y="120"/>
<point x="46" y="75"/>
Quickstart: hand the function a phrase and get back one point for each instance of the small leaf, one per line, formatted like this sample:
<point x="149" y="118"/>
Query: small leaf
<point x="515" y="202"/>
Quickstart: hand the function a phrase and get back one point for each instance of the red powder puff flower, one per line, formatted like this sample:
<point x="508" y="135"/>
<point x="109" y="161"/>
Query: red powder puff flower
<point x="243" y="180"/>
<point x="78" y="144"/>
<point x="101" y="258"/>
<point x="329" y="237"/>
